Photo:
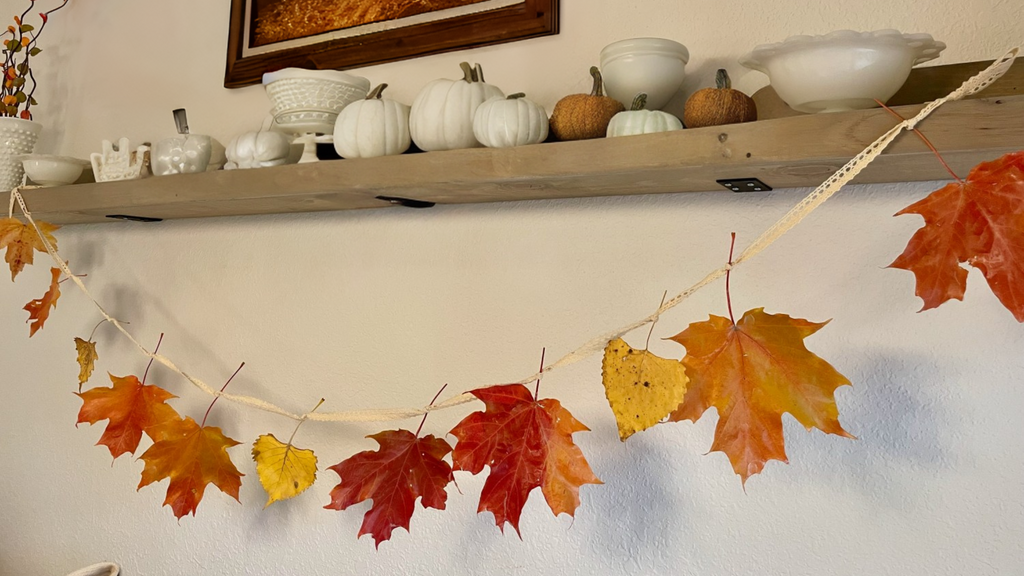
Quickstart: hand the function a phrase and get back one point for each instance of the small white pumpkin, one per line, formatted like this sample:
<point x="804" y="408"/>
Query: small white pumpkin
<point x="513" y="121"/>
<point x="442" y="113"/>
<point x="372" y="127"/>
<point x="640" y="121"/>
<point x="259" y="150"/>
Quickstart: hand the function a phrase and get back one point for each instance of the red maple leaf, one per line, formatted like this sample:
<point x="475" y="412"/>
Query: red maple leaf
<point x="192" y="456"/>
<point x="980" y="222"/>
<point x="131" y="408"/>
<point x="528" y="444"/>
<point x="404" y="468"/>
<point x="39" y="309"/>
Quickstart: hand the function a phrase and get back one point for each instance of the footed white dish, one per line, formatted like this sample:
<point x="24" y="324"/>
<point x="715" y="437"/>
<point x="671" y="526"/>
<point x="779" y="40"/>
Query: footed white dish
<point x="843" y="70"/>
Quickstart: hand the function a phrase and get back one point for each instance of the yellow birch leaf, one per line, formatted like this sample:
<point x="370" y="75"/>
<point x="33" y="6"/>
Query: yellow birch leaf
<point x="284" y="470"/>
<point x="87" y="358"/>
<point x="642" y="389"/>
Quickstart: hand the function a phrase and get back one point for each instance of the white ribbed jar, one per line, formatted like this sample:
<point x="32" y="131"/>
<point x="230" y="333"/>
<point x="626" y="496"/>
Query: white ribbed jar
<point x="17" y="137"/>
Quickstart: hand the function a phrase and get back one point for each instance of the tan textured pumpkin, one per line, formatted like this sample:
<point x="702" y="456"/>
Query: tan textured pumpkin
<point x="720" y="105"/>
<point x="584" y="116"/>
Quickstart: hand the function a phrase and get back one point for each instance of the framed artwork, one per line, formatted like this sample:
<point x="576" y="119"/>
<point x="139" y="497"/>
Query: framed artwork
<point x="267" y="35"/>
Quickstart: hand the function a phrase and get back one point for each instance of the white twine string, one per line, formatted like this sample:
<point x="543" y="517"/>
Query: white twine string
<point x="803" y="209"/>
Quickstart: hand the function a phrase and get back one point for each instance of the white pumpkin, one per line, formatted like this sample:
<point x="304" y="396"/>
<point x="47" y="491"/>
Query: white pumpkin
<point x="259" y="149"/>
<point x="442" y="114"/>
<point x="372" y="127"/>
<point x="513" y="121"/>
<point x="640" y="121"/>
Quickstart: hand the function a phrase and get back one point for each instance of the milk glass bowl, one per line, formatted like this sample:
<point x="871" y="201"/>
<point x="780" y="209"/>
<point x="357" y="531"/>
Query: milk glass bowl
<point x="654" y="66"/>
<point x="843" y="70"/>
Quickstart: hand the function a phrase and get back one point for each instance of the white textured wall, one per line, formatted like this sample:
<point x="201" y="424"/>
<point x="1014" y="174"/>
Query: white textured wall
<point x="377" y="309"/>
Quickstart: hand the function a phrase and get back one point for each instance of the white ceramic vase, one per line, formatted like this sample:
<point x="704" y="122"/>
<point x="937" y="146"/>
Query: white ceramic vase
<point x="17" y="137"/>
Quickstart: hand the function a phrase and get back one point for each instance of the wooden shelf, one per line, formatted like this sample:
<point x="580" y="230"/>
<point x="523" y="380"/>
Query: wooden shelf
<point x="787" y="152"/>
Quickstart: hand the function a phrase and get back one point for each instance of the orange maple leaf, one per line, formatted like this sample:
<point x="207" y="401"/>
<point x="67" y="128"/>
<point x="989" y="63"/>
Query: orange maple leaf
<point x="752" y="372"/>
<point x="528" y="444"/>
<point x="39" y="309"/>
<point x="192" y="457"/>
<point x="979" y="221"/>
<point x="404" y="468"/>
<point x="21" y="240"/>
<point x="131" y="409"/>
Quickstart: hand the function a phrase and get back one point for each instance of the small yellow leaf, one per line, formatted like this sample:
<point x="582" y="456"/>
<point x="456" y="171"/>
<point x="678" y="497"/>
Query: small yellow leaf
<point x="642" y="389"/>
<point x="284" y="470"/>
<point x="87" y="358"/>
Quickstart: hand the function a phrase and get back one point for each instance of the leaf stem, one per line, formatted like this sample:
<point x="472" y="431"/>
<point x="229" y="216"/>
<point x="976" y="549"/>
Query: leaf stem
<point x="296" y="431"/>
<point x="207" y="415"/>
<point x="424" y="421"/>
<point x="923" y="139"/>
<point x="536" y="388"/>
<point x="728" y="276"/>
<point x="150" y="365"/>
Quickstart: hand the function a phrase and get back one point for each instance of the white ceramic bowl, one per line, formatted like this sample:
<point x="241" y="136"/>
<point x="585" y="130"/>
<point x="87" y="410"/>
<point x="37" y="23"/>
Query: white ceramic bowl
<point x="309" y="100"/>
<point x="843" y="70"/>
<point x="48" y="170"/>
<point x="654" y="66"/>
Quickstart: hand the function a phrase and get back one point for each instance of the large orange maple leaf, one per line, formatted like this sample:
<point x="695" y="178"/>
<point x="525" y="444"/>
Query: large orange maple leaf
<point x="21" y="241"/>
<point x="192" y="457"/>
<point x="753" y="372"/>
<point x="403" y="469"/>
<point x="131" y="408"/>
<point x="979" y="222"/>
<point x="528" y="444"/>
<point x="39" y="309"/>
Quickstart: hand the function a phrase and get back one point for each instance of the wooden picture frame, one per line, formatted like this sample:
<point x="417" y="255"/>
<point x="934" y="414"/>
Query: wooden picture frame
<point x="247" y="63"/>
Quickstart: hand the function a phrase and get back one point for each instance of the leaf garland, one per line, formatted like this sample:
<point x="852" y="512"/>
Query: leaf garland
<point x="39" y="309"/>
<point x="22" y="241"/>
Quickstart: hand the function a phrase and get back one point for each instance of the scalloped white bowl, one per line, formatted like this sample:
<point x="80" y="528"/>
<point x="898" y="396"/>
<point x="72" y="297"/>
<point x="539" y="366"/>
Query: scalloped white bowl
<point x="843" y="70"/>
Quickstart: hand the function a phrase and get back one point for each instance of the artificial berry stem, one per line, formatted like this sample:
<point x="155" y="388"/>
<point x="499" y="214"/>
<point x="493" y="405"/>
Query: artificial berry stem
<point x="923" y="139"/>
<point x="728" y="276"/>
<point x="424" y="421"/>
<point x="207" y="415"/>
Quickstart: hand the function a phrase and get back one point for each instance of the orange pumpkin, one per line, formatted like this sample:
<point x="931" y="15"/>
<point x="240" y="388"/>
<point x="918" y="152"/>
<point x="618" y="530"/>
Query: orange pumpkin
<point x="584" y="116"/>
<point x="720" y="105"/>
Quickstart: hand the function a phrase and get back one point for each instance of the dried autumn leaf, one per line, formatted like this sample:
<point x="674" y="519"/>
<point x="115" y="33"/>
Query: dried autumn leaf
<point x="192" y="457"/>
<point x="752" y="372"/>
<point x="284" y="470"/>
<point x="527" y="444"/>
<point x="642" y="389"/>
<point x="402" y="469"/>
<point x="39" y="309"/>
<point x="21" y="240"/>
<point x="979" y="222"/>
<point x="131" y="407"/>
<point x="87" y="358"/>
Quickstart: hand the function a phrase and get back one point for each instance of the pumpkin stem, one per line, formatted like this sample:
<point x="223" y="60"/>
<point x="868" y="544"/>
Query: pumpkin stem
<point x="722" y="79"/>
<point x="478" y="73"/>
<point x="377" y="92"/>
<point x="516" y="96"/>
<point x="639" y="103"/>
<point x="468" y="72"/>
<point x="598" y="82"/>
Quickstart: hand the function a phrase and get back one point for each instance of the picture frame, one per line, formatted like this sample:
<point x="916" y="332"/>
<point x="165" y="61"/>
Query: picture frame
<point x="404" y="38"/>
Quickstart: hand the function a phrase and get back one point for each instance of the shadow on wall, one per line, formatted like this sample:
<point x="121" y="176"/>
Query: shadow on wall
<point x="896" y="409"/>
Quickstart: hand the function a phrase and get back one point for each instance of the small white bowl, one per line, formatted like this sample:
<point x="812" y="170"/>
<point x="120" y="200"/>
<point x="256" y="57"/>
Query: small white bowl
<point x="48" y="170"/>
<point x="654" y="66"/>
<point x="843" y="70"/>
<point x="307" y="101"/>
